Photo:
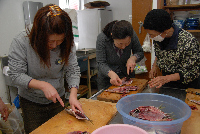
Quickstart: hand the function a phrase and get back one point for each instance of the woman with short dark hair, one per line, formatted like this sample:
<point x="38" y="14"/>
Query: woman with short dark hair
<point x="113" y="53"/>
<point x="38" y="60"/>
<point x="176" y="50"/>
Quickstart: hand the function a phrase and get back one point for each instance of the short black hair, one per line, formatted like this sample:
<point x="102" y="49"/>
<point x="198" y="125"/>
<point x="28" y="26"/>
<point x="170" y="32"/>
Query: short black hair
<point x="119" y="29"/>
<point x="122" y="29"/>
<point x="158" y="20"/>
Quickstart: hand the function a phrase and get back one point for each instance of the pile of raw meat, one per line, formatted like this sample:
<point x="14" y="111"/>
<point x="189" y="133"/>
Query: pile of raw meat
<point x="125" y="89"/>
<point x="150" y="113"/>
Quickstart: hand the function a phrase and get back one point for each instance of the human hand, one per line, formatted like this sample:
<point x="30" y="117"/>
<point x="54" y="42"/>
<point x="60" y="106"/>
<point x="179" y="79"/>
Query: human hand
<point x="131" y="63"/>
<point x="51" y="93"/>
<point x="114" y="79"/>
<point x="153" y="72"/>
<point x="74" y="103"/>
<point x="159" y="81"/>
<point x="3" y="110"/>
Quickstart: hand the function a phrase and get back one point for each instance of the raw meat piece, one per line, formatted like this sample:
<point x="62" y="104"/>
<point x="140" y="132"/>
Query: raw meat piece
<point x="125" y="89"/>
<point x="194" y="101"/>
<point x="118" y="90"/>
<point x="125" y="82"/>
<point x="131" y="88"/>
<point x="150" y="113"/>
<point x="123" y="95"/>
<point x="77" y="114"/>
<point x="193" y="107"/>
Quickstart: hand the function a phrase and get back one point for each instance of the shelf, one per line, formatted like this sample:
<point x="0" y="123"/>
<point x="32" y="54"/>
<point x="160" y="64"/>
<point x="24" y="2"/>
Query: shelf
<point x="94" y="91"/>
<point x="93" y="72"/>
<point x="82" y="89"/>
<point x="187" y="7"/>
<point x="87" y="74"/>
<point x="81" y="95"/>
<point x="193" y="31"/>
<point x="84" y="76"/>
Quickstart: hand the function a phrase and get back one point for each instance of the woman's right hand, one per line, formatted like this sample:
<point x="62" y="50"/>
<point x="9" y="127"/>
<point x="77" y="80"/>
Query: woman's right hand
<point x="114" y="78"/>
<point x="51" y="93"/>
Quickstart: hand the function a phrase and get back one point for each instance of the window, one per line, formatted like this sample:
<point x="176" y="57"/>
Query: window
<point x="71" y="4"/>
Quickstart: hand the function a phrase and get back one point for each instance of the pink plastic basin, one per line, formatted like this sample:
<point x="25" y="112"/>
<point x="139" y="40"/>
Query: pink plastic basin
<point x="119" y="129"/>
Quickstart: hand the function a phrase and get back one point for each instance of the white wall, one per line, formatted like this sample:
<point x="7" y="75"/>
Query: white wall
<point x="11" y="22"/>
<point x="121" y="9"/>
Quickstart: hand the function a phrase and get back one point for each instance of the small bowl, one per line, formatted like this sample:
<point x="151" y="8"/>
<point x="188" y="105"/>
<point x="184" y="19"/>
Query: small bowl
<point x="119" y="129"/>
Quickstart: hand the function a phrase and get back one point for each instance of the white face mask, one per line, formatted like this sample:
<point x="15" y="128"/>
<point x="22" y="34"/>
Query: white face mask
<point x="158" y="38"/>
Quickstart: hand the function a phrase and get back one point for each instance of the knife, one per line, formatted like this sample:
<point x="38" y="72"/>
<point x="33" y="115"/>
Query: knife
<point x="70" y="111"/>
<point x="128" y="76"/>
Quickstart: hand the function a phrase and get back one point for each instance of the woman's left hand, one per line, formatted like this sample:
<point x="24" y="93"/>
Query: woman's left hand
<point x="74" y="103"/>
<point x="131" y="63"/>
<point x="159" y="81"/>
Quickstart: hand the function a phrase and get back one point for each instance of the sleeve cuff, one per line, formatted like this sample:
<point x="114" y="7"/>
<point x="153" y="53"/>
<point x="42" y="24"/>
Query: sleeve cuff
<point x="137" y="56"/>
<point x="109" y="71"/>
<point x="75" y="86"/>
<point x="181" y="76"/>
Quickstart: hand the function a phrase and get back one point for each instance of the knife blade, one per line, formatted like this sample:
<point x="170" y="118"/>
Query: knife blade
<point x="88" y="119"/>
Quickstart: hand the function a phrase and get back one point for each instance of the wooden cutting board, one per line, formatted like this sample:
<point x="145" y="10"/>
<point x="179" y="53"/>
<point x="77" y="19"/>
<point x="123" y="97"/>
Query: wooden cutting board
<point x="99" y="112"/>
<point x="192" y="125"/>
<point x="114" y="97"/>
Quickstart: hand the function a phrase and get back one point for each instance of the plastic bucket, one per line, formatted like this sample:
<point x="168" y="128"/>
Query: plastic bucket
<point x="119" y="129"/>
<point x="179" y="109"/>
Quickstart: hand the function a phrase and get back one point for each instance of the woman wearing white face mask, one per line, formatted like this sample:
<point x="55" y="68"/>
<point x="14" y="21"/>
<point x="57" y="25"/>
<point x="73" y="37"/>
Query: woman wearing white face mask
<point x="176" y="50"/>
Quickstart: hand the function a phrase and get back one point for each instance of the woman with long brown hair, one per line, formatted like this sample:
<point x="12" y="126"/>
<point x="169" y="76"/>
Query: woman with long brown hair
<point x="39" y="59"/>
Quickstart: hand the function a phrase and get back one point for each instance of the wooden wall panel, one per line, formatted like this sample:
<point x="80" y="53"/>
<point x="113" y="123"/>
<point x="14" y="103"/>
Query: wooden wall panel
<point x="139" y="10"/>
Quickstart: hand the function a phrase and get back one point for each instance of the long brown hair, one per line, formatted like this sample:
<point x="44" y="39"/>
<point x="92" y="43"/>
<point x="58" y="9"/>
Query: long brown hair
<point x="51" y="21"/>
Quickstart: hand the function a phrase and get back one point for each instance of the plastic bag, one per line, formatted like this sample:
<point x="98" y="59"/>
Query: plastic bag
<point x="141" y="67"/>
<point x="16" y="102"/>
<point x="147" y="44"/>
<point x="14" y="123"/>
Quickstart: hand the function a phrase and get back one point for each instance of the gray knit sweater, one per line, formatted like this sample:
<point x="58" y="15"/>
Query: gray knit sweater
<point x="25" y="65"/>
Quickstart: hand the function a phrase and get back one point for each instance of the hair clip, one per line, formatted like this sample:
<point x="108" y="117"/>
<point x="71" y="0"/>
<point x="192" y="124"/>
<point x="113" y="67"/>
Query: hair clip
<point x="54" y="10"/>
